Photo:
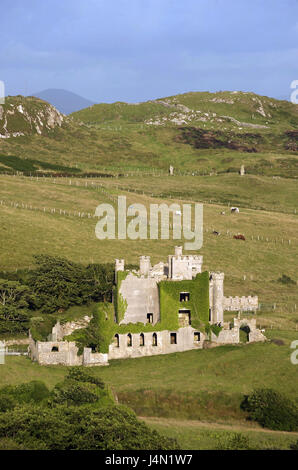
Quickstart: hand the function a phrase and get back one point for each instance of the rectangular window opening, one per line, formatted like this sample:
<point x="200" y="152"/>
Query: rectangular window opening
<point x="197" y="337"/>
<point x="149" y="317"/>
<point x="173" y="338"/>
<point x="184" y="296"/>
<point x="184" y="318"/>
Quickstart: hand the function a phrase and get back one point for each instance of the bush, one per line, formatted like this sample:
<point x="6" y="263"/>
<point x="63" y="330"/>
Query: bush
<point x="271" y="409"/>
<point x="233" y="441"/>
<point x="284" y="279"/>
<point x="31" y="392"/>
<point x="7" y="402"/>
<point x="72" y="392"/>
<point x="294" y="446"/>
<point x="78" y="428"/>
<point x="80" y="374"/>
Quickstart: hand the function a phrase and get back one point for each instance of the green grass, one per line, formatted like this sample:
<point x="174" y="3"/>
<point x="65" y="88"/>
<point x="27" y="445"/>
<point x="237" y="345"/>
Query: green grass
<point x="119" y="139"/>
<point x="201" y="385"/>
<point x="206" y="436"/>
<point x="250" y="267"/>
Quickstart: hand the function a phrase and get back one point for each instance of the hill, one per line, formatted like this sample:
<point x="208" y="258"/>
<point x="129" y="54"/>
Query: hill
<point x="65" y="101"/>
<point x="21" y="116"/>
<point x="221" y="110"/>
<point x="199" y="133"/>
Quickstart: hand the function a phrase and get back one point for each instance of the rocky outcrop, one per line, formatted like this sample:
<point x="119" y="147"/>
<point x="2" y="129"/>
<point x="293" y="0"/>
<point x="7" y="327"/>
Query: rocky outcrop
<point x="21" y="116"/>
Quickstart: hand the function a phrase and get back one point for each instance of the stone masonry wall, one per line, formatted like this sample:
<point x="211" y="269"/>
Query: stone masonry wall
<point x="240" y="303"/>
<point x="184" y="342"/>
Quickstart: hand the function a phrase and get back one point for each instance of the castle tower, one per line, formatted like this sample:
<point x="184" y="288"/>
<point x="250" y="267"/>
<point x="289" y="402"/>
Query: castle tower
<point x="145" y="265"/>
<point x="178" y="250"/>
<point x="217" y="292"/>
<point x="119" y="266"/>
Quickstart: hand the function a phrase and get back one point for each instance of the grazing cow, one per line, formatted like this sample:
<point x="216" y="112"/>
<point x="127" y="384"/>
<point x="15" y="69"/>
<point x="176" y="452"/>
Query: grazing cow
<point x="234" y="210"/>
<point x="215" y="232"/>
<point x="239" y="237"/>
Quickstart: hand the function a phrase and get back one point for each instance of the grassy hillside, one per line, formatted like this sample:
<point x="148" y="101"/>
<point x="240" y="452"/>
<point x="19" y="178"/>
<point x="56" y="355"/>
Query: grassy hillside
<point x="57" y="216"/>
<point x="195" y="132"/>
<point x="213" y="109"/>
<point x="205" y="385"/>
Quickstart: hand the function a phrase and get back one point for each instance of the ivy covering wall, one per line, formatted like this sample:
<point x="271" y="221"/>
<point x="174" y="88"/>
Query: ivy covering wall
<point x="198" y="304"/>
<point x="102" y="328"/>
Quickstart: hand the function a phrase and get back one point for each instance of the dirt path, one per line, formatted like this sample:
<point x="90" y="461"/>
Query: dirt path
<point x="216" y="426"/>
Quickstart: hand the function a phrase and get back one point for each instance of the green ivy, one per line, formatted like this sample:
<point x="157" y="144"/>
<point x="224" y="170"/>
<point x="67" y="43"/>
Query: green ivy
<point x="198" y="304"/>
<point x="119" y="302"/>
<point x="102" y="328"/>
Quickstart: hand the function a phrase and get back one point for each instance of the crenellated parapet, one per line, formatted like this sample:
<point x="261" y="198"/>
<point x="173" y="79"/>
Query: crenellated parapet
<point x="145" y="265"/>
<point x="232" y="304"/>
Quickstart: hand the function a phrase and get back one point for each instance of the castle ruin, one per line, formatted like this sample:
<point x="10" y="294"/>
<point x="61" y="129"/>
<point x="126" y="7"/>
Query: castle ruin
<point x="176" y="290"/>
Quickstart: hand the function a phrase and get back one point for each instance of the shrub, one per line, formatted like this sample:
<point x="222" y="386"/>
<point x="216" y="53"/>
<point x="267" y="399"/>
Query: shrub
<point x="78" y="428"/>
<point x="7" y="402"/>
<point x="294" y="446"/>
<point x="72" y="392"/>
<point x="233" y="441"/>
<point x="271" y="409"/>
<point x="284" y="279"/>
<point x="31" y="392"/>
<point x="80" y="374"/>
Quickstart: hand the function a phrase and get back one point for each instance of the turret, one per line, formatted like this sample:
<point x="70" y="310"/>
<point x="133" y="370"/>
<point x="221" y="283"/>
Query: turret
<point x="119" y="266"/>
<point x="145" y="265"/>
<point x="217" y="293"/>
<point x="178" y="250"/>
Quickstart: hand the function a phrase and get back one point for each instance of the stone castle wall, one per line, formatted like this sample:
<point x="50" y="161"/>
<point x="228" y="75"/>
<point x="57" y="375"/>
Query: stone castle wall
<point x="240" y="303"/>
<point x="185" y="340"/>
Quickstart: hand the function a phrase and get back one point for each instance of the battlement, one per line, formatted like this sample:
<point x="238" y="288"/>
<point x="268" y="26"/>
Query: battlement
<point x="250" y="303"/>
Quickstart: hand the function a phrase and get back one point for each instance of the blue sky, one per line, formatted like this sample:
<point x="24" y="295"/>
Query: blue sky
<point x="135" y="50"/>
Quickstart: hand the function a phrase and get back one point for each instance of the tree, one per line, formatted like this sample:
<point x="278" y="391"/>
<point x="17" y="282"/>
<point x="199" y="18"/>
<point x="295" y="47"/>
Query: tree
<point x="59" y="283"/>
<point x="13" y="293"/>
<point x="101" y="278"/>
<point x="13" y="320"/>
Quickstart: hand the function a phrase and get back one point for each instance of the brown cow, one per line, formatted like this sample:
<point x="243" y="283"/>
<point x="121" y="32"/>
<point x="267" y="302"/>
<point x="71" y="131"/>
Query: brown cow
<point x="239" y="237"/>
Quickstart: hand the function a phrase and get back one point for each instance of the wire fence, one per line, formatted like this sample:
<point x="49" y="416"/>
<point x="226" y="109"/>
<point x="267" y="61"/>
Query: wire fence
<point x="84" y="214"/>
<point x="85" y="181"/>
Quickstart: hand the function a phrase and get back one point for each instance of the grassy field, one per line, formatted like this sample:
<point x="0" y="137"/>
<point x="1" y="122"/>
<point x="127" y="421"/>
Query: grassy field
<point x="251" y="267"/>
<point x="198" y="435"/>
<point x="194" y="396"/>
<point x="193" y="385"/>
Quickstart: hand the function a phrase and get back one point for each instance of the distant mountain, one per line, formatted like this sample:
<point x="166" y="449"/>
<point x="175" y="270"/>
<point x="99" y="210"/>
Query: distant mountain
<point x="65" y="101"/>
